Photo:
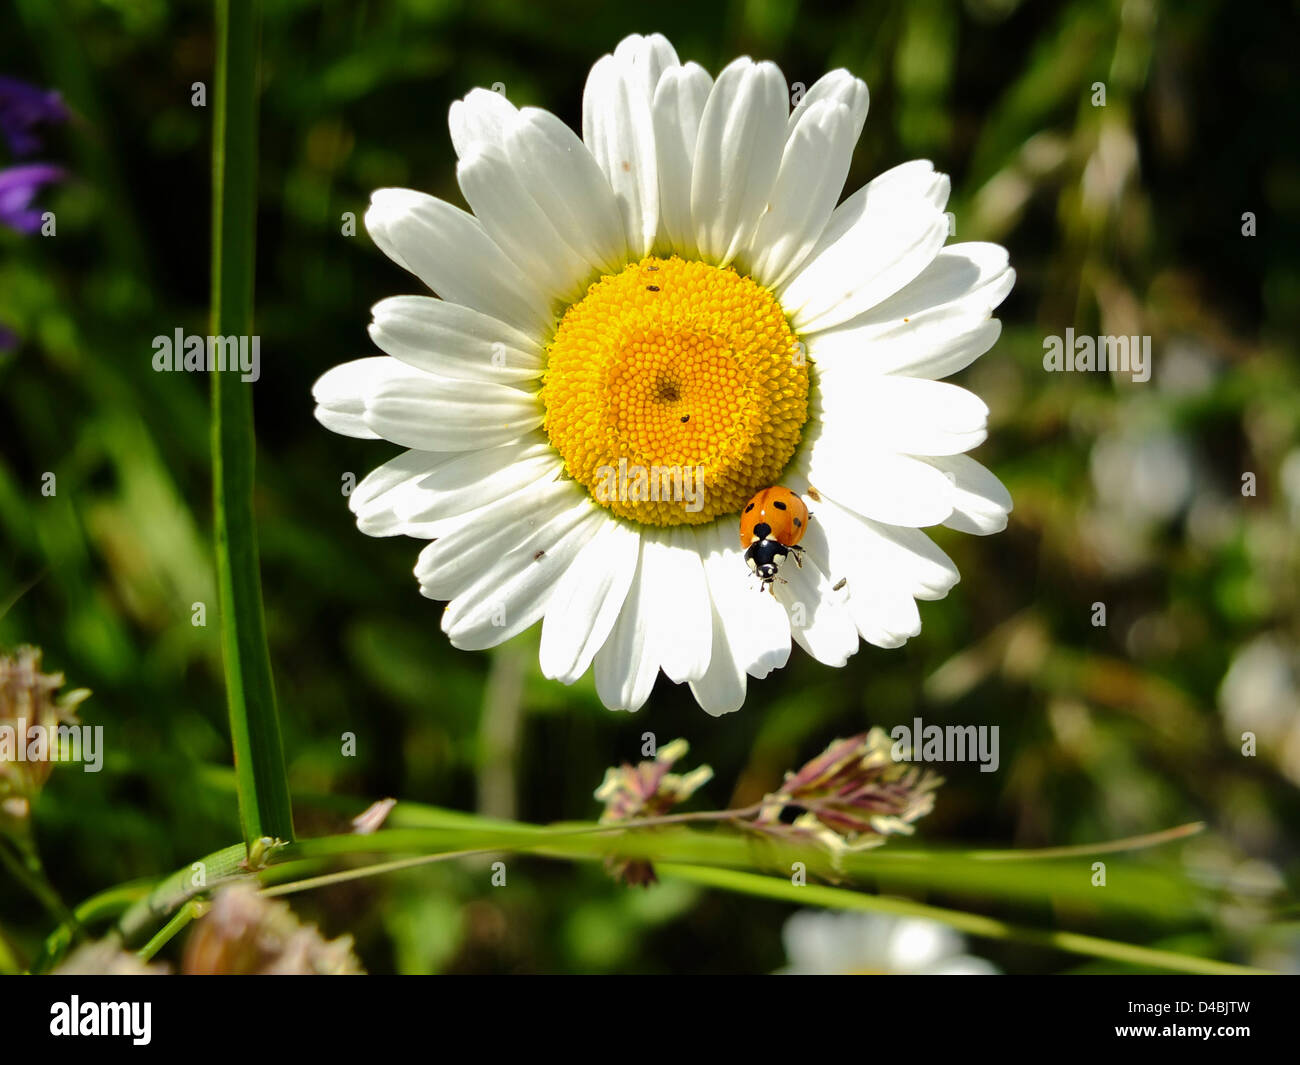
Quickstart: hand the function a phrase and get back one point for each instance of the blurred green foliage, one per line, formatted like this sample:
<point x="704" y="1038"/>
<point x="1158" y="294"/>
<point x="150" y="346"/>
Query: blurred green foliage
<point x="1121" y="219"/>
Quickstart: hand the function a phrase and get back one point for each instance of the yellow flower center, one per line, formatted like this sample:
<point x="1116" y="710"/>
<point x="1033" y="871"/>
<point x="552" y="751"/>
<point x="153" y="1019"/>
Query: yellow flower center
<point x="674" y="391"/>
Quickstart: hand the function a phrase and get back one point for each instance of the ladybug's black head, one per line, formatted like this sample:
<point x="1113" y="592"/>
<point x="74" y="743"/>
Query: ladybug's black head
<point x="765" y="558"/>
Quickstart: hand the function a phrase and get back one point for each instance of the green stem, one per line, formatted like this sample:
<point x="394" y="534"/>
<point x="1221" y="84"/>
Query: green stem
<point x="182" y="918"/>
<point x="27" y="869"/>
<point x="1087" y="850"/>
<point x="294" y="868"/>
<point x="264" y="806"/>
<point x="972" y="923"/>
<point x="107" y="904"/>
<point x="179" y="888"/>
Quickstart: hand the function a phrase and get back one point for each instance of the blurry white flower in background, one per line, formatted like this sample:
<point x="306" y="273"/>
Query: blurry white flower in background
<point x="1260" y="694"/>
<point x="843" y="943"/>
<point x="1143" y="477"/>
<point x="1188" y="367"/>
<point x="1289" y="477"/>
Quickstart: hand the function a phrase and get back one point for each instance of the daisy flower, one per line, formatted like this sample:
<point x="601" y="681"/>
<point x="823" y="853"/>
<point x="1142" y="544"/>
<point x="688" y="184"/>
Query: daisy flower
<point x="842" y="943"/>
<point x="639" y="329"/>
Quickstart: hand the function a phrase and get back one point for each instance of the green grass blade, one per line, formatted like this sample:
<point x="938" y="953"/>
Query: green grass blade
<point x="264" y="808"/>
<point x="971" y="923"/>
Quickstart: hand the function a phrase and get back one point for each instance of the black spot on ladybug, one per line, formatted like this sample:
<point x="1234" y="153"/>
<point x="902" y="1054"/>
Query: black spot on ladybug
<point x="798" y="522"/>
<point x="840" y="584"/>
<point x="778" y="504"/>
<point x="653" y="288"/>
<point x="685" y="418"/>
<point x="762" y="530"/>
<point x="749" y="508"/>
<point x="538" y="557"/>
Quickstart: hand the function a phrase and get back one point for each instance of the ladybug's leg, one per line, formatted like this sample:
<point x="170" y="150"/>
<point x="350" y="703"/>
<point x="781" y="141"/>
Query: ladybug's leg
<point x="796" y="552"/>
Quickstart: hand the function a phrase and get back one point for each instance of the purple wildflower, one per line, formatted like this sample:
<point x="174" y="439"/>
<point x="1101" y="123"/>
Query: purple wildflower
<point x="646" y="790"/>
<point x="23" y="108"/>
<point x="18" y="188"/>
<point x="853" y="794"/>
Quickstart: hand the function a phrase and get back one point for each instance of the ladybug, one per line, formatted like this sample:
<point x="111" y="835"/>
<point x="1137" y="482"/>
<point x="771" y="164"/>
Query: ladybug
<point x="771" y="526"/>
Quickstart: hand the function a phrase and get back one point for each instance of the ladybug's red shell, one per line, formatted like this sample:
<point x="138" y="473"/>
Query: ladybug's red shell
<point x="774" y="514"/>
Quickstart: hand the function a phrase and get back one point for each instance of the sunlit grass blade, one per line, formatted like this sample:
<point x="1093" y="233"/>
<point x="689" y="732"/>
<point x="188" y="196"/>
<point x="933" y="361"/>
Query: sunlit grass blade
<point x="264" y="807"/>
<point x="971" y="923"/>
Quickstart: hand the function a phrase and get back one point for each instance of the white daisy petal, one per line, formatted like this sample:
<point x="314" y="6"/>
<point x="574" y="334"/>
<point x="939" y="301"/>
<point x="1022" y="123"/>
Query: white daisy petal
<point x="757" y="627"/>
<point x="722" y="688"/>
<point x="876" y="241"/>
<point x="449" y="251"/>
<point x="428" y="494"/>
<point x="457" y="561"/>
<point x="442" y="414"/>
<point x="934" y="352"/>
<point x="838" y="86"/>
<point x="964" y="278"/>
<point x="374" y="498"/>
<point x="587" y="601"/>
<point x="469" y="480"/>
<point x="936" y="325"/>
<point x="894" y="489"/>
<point x="483" y="116"/>
<point x="819" y="617"/>
<point x="681" y="616"/>
<point x="808" y="185"/>
<point x="649" y="57"/>
<point x="905" y="414"/>
<point x="343" y="422"/>
<point x="915" y="176"/>
<point x="678" y="105"/>
<point x="454" y="341"/>
<point x="339" y="393"/>
<point x="980" y="502"/>
<point x="554" y="197"/>
<point x="512" y="594"/>
<point x="565" y="180"/>
<point x="618" y="128"/>
<point x="737" y="156"/>
<point x="917" y="562"/>
<point x="626" y="666"/>
<point x="924" y="569"/>
<point x="517" y="223"/>
<point x="879" y="597"/>
<point x="885" y="617"/>
<point x="406" y="468"/>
